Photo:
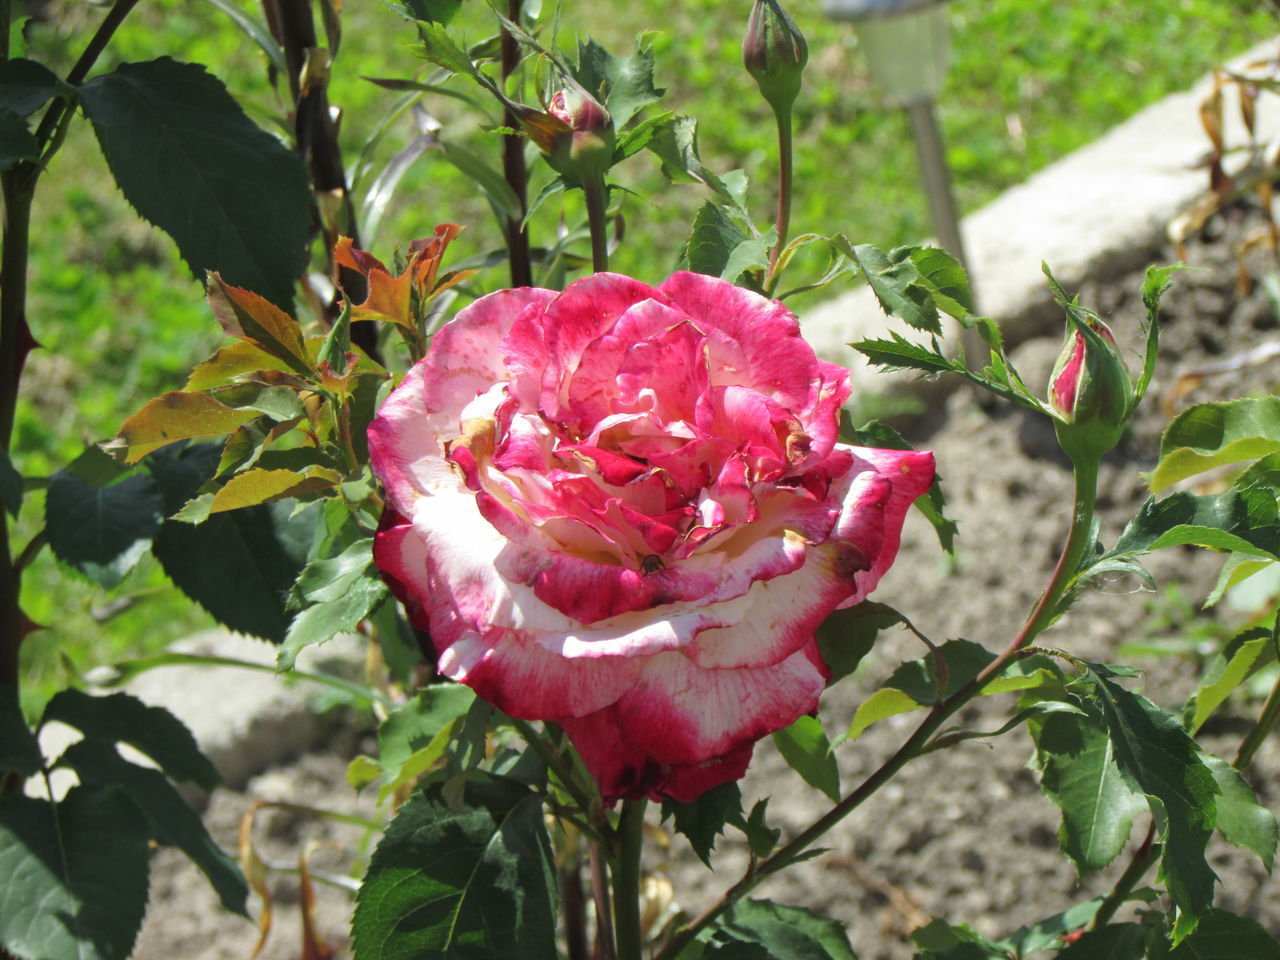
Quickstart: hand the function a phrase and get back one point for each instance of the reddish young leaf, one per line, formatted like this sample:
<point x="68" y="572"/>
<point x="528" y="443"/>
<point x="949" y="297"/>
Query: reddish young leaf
<point x="173" y="416"/>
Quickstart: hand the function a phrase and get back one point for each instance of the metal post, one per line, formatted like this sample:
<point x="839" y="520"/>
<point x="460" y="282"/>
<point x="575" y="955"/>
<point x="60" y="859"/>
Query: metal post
<point x="936" y="176"/>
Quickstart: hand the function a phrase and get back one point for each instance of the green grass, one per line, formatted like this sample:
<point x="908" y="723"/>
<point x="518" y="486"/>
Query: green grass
<point x="121" y="319"/>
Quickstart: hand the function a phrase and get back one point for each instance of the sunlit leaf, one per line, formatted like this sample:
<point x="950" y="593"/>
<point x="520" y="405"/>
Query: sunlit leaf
<point x="170" y="417"/>
<point x="846" y="636"/>
<point x="805" y="747"/>
<point x="1245" y="653"/>
<point x="323" y="621"/>
<point x="1210" y="435"/>
<point x="1239" y="816"/>
<point x="896" y="282"/>
<point x="623" y="84"/>
<point x="230" y="363"/>
<point x="245" y="314"/>
<point x="1225" y="936"/>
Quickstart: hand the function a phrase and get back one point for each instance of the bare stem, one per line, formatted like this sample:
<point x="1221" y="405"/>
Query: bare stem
<point x="626" y="881"/>
<point x="783" y="223"/>
<point x="600" y="889"/>
<point x="513" y="166"/>
<point x="595" y="194"/>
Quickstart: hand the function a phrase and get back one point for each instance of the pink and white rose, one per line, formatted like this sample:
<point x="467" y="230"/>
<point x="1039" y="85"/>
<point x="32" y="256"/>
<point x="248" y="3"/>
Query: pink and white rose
<point x="624" y="509"/>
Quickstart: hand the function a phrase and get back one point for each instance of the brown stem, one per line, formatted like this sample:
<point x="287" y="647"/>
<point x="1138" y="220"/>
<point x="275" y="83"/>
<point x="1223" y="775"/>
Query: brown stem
<point x="513" y="166"/>
<point x="574" y="902"/>
<point x="1143" y="859"/>
<point x="600" y="890"/>
<point x="316" y="141"/>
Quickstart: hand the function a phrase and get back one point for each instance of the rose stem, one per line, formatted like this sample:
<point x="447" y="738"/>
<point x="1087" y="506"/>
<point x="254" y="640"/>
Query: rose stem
<point x="593" y="188"/>
<point x="1266" y="721"/>
<point x="18" y="184"/>
<point x="575" y="906"/>
<point x="1086" y="475"/>
<point x="600" y="890"/>
<point x="1143" y="859"/>
<point x="513" y="167"/>
<point x="626" y="881"/>
<point x="783" y="224"/>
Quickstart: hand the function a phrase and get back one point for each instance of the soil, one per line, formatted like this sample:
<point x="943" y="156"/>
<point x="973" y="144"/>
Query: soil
<point x="963" y="834"/>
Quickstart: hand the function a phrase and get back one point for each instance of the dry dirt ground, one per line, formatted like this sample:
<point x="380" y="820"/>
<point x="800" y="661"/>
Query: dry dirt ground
<point x="963" y="834"/>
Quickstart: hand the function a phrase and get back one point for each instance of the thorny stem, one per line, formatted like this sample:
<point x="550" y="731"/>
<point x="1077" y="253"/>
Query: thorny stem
<point x="593" y="187"/>
<point x="1266" y="721"/>
<point x="783" y="223"/>
<point x="626" y="881"/>
<point x="18" y="185"/>
<point x="513" y="166"/>
<point x="1144" y="857"/>
<point x="1041" y="615"/>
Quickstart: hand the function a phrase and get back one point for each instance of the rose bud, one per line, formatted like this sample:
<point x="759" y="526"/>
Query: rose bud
<point x="774" y="52"/>
<point x="590" y="138"/>
<point x="1090" y="392"/>
<point x="626" y="510"/>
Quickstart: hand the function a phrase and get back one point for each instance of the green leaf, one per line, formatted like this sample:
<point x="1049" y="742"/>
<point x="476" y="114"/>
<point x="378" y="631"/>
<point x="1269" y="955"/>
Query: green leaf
<point x="1243" y="521"/>
<point x="323" y="621"/>
<point x="488" y="179"/>
<point x="899" y="353"/>
<point x="761" y="838"/>
<point x="846" y="636"/>
<point x="1048" y="932"/>
<point x="1210" y="435"/>
<point x="420" y="720"/>
<point x="750" y="254"/>
<point x="915" y="683"/>
<point x="1225" y="672"/>
<point x="173" y="822"/>
<point x="1156" y="756"/>
<point x="431" y="11"/>
<point x="1118" y="941"/>
<point x="73" y="878"/>
<point x="173" y="416"/>
<point x="237" y="565"/>
<point x="11" y="490"/>
<point x="703" y="820"/>
<point x="122" y="718"/>
<point x="234" y="198"/>
<point x="623" y="84"/>
<point x="945" y="279"/>
<point x="17" y="142"/>
<point x="19" y="749"/>
<point x="1078" y="773"/>
<point x="328" y="578"/>
<point x="474" y="883"/>
<point x="255" y="30"/>
<point x="1225" y="936"/>
<point x="1155" y="283"/>
<point x="439" y="48"/>
<point x="939" y="940"/>
<point x="95" y="529"/>
<point x="896" y="282"/>
<point x="1239" y="816"/>
<point x="805" y="747"/>
<point x="676" y="145"/>
<point x="711" y="242"/>
<point x="26" y="85"/>
<point x="764" y="930"/>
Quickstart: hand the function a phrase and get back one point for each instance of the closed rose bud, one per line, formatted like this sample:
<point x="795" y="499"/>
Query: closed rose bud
<point x="774" y="53"/>
<point x="1090" y="392"/>
<point x="591" y="138"/>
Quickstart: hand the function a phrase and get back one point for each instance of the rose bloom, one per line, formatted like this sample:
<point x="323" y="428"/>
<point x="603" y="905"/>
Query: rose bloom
<point x="623" y="509"/>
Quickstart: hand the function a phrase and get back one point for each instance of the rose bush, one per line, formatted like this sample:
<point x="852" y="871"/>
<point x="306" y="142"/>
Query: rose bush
<point x="624" y="509"/>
